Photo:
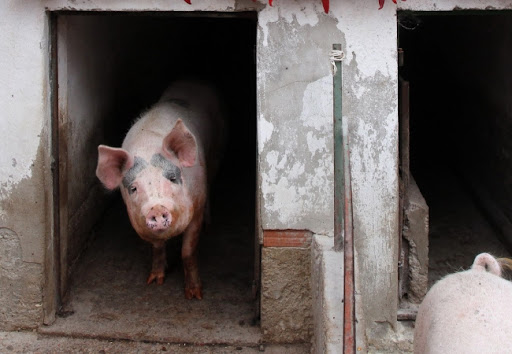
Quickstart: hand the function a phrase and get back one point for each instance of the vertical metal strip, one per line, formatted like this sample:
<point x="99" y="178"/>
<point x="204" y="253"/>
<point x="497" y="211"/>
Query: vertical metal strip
<point x="53" y="264"/>
<point x="343" y="235"/>
<point x="339" y="179"/>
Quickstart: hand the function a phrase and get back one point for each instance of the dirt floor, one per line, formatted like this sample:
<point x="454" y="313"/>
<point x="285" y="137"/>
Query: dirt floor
<point x="458" y="229"/>
<point x="110" y="300"/>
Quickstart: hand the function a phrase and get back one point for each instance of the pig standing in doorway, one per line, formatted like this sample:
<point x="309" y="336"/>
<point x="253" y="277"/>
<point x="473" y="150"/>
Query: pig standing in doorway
<point x="467" y="312"/>
<point x="163" y="169"/>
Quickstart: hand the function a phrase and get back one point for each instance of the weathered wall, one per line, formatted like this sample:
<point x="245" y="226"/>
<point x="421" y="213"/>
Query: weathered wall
<point x="295" y="116"/>
<point x="24" y="186"/>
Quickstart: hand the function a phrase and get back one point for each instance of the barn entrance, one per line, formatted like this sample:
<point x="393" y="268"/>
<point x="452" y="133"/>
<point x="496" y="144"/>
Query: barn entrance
<point x="109" y="68"/>
<point x="457" y="66"/>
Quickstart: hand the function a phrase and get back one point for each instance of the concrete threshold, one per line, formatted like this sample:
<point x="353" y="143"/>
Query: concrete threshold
<point x="34" y="342"/>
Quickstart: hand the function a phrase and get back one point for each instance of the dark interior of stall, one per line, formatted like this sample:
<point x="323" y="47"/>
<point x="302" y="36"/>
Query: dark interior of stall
<point x="458" y="67"/>
<point x="108" y="296"/>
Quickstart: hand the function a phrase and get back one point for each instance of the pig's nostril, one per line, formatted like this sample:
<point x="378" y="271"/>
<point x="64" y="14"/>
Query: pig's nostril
<point x="153" y="219"/>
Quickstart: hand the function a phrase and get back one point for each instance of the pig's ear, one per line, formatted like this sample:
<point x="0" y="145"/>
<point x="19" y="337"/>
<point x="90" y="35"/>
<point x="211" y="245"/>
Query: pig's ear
<point x="181" y="143"/>
<point x="111" y="162"/>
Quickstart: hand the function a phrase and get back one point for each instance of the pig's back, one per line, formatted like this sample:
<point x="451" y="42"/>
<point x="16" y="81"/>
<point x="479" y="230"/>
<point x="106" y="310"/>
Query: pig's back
<point x="466" y="312"/>
<point x="206" y="118"/>
<point x="194" y="103"/>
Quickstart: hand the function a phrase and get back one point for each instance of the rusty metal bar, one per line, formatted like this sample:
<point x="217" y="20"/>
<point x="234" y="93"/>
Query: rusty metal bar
<point x="404" y="165"/>
<point x="53" y="280"/>
<point x="343" y="227"/>
<point x="349" y="287"/>
<point x="407" y="315"/>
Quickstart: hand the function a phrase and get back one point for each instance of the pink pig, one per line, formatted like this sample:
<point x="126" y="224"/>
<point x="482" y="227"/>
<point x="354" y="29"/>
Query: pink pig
<point x="162" y="172"/>
<point x="467" y="312"/>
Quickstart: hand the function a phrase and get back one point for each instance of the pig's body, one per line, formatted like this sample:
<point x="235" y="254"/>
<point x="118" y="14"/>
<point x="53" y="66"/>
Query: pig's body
<point x="162" y="170"/>
<point x="467" y="312"/>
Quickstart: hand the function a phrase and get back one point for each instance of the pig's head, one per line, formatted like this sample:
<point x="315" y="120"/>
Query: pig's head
<point x="156" y="195"/>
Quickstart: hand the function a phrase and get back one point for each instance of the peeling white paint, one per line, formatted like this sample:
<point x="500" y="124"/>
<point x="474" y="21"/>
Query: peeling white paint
<point x="317" y="110"/>
<point x="271" y="159"/>
<point x="21" y="94"/>
<point x="284" y="198"/>
<point x="265" y="130"/>
<point x="317" y="106"/>
<point x="290" y="191"/>
<point x="305" y="12"/>
<point x="359" y="90"/>
<point x="315" y="144"/>
<point x="296" y="170"/>
<point x="370" y="36"/>
<point x="268" y="15"/>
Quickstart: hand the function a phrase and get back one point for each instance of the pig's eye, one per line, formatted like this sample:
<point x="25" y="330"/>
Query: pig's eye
<point x="172" y="176"/>
<point x="132" y="189"/>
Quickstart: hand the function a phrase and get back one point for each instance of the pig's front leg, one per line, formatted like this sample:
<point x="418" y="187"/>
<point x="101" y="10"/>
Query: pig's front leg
<point x="159" y="264"/>
<point x="193" y="287"/>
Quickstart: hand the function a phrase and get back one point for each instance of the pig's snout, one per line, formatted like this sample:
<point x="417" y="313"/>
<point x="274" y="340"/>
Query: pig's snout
<point x="158" y="218"/>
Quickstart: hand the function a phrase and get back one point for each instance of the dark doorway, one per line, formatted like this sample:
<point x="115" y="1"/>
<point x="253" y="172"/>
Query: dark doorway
<point x="111" y="67"/>
<point x="458" y="66"/>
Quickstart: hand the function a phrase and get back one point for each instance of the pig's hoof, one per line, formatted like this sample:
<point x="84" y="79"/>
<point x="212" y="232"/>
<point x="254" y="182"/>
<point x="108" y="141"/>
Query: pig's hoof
<point x="156" y="276"/>
<point x="191" y="293"/>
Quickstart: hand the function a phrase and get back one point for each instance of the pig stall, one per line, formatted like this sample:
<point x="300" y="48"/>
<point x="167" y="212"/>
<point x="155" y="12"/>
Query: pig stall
<point x="110" y="68"/>
<point x="459" y="124"/>
<point x="76" y="75"/>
